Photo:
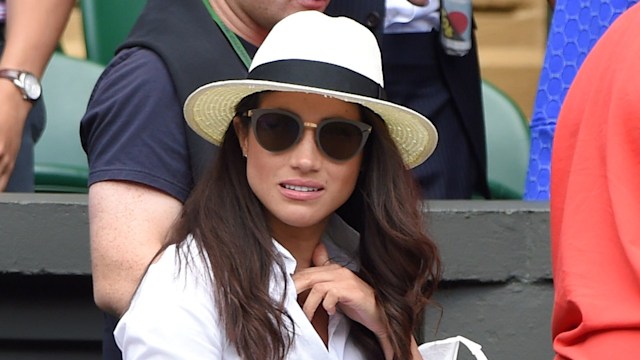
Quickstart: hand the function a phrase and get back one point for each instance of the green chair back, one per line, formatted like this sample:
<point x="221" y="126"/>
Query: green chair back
<point x="507" y="135"/>
<point x="106" y="24"/>
<point x="60" y="162"/>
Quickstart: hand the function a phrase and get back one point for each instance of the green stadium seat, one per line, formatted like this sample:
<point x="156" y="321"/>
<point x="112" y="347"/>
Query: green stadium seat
<point x="106" y="24"/>
<point x="60" y="162"/>
<point x="508" y="141"/>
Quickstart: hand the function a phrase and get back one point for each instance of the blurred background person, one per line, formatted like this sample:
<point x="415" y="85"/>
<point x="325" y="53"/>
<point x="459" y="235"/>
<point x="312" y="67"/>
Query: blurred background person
<point x="576" y="26"/>
<point x="595" y="202"/>
<point x="29" y="33"/>
<point x="420" y="75"/>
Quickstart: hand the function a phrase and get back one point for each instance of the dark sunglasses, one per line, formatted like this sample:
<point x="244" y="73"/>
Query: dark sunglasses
<point x="278" y="130"/>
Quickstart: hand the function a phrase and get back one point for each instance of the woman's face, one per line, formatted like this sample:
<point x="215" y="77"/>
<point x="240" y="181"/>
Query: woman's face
<point x="300" y="186"/>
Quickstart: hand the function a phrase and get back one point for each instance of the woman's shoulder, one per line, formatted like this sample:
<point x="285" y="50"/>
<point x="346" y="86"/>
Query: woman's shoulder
<point x="181" y="267"/>
<point x="177" y="277"/>
<point x="174" y="302"/>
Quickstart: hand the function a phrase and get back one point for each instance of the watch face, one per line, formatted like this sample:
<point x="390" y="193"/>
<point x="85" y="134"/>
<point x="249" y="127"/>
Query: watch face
<point x="32" y="87"/>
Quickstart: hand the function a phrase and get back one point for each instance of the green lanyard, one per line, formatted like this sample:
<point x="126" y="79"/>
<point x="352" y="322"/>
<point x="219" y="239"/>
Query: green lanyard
<point x="233" y="38"/>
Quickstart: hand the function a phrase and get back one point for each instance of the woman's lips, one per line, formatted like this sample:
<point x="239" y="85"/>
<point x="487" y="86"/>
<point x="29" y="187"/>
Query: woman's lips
<point x="319" y="5"/>
<point x="301" y="190"/>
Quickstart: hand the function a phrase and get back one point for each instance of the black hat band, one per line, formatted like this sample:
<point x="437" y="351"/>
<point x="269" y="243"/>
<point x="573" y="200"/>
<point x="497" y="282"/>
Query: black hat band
<point x="318" y="75"/>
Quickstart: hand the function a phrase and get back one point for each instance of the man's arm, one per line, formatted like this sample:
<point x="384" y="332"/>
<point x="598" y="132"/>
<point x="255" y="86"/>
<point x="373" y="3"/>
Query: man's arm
<point x="33" y="28"/>
<point x="129" y="223"/>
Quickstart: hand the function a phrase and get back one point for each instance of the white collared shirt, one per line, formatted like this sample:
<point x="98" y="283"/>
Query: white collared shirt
<point x="173" y="314"/>
<point x="403" y="17"/>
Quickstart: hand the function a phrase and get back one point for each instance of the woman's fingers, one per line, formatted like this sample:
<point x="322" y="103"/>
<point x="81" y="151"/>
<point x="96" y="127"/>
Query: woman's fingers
<point x="325" y="293"/>
<point x="307" y="278"/>
<point x="330" y="302"/>
<point x="320" y="256"/>
<point x="334" y="287"/>
<point x="324" y="283"/>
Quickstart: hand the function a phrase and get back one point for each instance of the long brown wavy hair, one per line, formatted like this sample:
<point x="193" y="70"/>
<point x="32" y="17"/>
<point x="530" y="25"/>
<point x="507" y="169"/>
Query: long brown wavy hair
<point x="397" y="258"/>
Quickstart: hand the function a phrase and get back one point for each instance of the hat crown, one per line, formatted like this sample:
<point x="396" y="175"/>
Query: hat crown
<point x="341" y="41"/>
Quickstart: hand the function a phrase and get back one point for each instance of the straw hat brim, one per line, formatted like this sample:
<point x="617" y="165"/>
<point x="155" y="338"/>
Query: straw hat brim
<point x="210" y="109"/>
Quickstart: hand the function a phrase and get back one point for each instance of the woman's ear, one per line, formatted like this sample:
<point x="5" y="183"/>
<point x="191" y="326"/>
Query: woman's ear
<point x="241" y="133"/>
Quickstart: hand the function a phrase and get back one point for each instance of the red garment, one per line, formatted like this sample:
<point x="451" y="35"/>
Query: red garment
<point x="595" y="203"/>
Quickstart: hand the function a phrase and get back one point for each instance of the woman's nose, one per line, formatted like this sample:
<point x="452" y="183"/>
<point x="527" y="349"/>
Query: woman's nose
<point x="305" y="155"/>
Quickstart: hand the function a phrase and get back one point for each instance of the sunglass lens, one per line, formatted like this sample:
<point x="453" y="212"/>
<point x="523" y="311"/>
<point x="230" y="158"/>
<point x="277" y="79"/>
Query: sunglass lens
<point x="276" y="132"/>
<point x="340" y="139"/>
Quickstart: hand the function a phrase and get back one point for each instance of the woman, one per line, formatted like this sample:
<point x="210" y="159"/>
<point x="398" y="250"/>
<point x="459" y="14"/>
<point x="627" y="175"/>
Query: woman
<point x="258" y="265"/>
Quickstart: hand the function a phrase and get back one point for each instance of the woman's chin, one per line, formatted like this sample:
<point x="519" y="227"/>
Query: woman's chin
<point x="301" y="218"/>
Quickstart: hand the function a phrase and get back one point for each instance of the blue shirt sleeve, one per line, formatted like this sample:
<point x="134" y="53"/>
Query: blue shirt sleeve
<point x="134" y="129"/>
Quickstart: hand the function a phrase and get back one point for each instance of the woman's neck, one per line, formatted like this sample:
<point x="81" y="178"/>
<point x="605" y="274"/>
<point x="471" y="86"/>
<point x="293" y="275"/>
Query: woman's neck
<point x="239" y="22"/>
<point x="300" y="242"/>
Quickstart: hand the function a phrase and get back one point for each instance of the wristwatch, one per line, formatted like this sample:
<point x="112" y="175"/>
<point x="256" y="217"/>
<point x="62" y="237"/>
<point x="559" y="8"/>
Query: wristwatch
<point x="25" y="81"/>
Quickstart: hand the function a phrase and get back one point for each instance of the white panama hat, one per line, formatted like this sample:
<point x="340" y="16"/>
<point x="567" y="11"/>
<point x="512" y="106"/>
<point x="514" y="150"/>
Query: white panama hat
<point x="311" y="52"/>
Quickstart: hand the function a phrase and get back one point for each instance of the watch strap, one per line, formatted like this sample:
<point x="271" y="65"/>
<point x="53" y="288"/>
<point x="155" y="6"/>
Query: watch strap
<point x="10" y="73"/>
<point x="20" y="79"/>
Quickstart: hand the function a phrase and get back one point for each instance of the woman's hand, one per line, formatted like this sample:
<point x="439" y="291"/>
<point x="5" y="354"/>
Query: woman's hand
<point x="336" y="287"/>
